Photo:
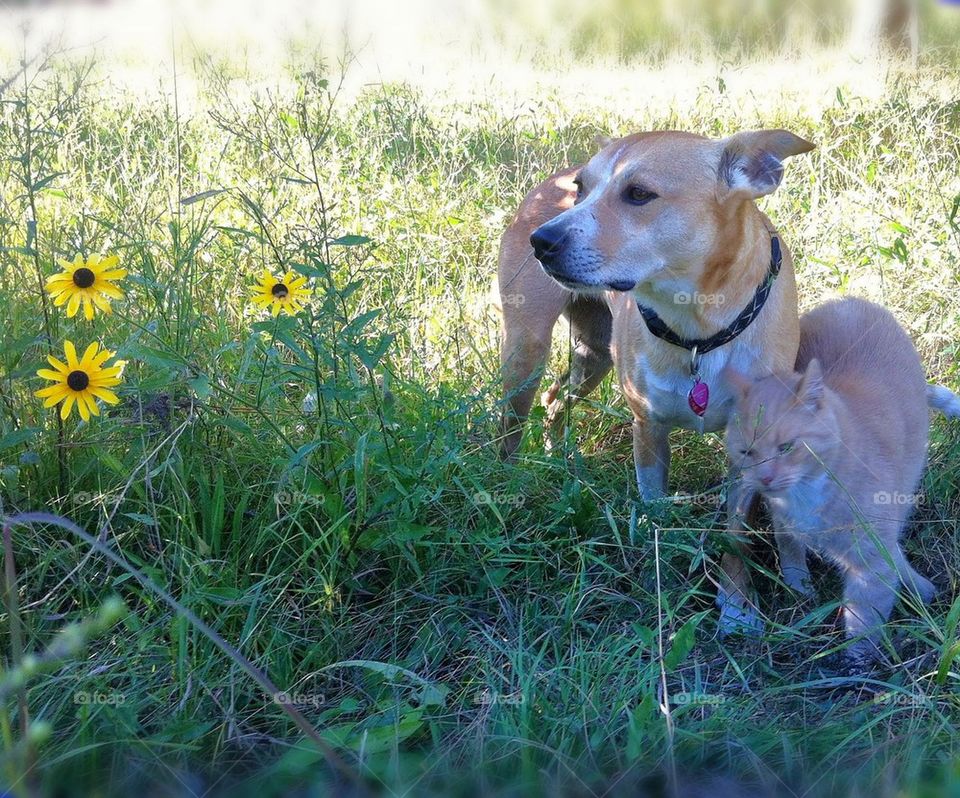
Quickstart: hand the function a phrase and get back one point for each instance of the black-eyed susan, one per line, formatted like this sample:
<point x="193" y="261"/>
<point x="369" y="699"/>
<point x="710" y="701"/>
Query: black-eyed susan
<point x="89" y="282"/>
<point x="81" y="381"/>
<point x="288" y="293"/>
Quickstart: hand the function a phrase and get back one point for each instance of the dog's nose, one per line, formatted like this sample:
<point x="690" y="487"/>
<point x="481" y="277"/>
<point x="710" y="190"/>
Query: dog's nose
<point x="547" y="241"/>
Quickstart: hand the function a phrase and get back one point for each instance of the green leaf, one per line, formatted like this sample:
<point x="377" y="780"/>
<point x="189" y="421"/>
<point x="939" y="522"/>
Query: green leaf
<point x="683" y="642"/>
<point x="350" y="241"/>
<point x="202" y="196"/>
<point x="17" y="437"/>
<point x="201" y="386"/>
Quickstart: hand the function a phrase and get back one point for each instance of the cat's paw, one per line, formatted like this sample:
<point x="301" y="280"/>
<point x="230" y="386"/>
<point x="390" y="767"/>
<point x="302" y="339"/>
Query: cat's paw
<point x="799" y="582"/>
<point x="736" y="618"/>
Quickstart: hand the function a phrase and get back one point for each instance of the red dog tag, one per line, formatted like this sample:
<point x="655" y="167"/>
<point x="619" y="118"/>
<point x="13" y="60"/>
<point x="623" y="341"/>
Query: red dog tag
<point x="699" y="397"/>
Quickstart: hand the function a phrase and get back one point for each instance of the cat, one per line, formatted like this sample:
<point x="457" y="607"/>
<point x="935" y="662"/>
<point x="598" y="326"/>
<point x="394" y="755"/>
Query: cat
<point x="837" y="449"/>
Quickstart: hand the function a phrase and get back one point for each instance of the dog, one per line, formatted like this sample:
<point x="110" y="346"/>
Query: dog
<point x="665" y="268"/>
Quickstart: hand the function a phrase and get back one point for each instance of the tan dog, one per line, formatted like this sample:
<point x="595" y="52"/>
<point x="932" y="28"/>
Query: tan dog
<point x="666" y="221"/>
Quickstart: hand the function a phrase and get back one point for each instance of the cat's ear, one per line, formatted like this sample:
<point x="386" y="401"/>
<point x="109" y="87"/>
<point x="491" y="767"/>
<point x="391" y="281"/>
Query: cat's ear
<point x="740" y="383"/>
<point x="810" y="390"/>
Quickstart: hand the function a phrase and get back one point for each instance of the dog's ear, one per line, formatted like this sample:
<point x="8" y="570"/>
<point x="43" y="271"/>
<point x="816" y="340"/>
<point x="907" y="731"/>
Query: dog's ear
<point x="600" y="141"/>
<point x="751" y="163"/>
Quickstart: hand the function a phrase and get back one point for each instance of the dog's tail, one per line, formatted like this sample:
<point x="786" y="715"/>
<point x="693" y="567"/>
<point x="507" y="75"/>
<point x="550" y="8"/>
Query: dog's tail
<point x="944" y="400"/>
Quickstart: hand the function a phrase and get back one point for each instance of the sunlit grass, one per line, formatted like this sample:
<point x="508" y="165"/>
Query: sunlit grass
<point x="323" y="489"/>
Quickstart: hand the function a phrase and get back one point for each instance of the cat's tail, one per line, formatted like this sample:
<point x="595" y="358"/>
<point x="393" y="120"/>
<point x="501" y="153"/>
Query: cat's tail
<point x="944" y="400"/>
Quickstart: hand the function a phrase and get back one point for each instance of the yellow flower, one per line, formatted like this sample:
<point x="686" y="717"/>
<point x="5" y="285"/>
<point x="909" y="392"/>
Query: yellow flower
<point x="87" y="281"/>
<point x="82" y="381"/>
<point x="287" y="294"/>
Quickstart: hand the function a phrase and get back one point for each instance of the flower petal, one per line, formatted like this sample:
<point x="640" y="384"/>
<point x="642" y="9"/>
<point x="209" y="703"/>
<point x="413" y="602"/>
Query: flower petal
<point x="47" y="374"/>
<point x="58" y="365"/>
<point x="107" y="396"/>
<point x="69" y="399"/>
<point x="113" y="274"/>
<point x="88" y="356"/>
<point x="87" y="397"/>
<point x="109" y="290"/>
<point x="73" y="305"/>
<point x="82" y="407"/>
<point x="71" y="352"/>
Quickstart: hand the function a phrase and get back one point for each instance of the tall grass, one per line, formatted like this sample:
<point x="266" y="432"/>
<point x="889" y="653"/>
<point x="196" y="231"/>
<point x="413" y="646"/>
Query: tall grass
<point x="324" y="491"/>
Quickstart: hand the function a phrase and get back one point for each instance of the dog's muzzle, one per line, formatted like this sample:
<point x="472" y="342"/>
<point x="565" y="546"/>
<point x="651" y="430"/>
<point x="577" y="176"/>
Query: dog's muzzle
<point x="548" y="242"/>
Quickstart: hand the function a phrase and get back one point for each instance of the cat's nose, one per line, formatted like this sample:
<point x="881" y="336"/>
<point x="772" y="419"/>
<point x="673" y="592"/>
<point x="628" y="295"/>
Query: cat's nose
<point x="767" y="480"/>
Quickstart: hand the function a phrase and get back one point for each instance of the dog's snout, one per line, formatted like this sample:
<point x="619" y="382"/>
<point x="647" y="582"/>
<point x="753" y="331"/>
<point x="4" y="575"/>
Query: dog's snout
<point x="547" y="241"/>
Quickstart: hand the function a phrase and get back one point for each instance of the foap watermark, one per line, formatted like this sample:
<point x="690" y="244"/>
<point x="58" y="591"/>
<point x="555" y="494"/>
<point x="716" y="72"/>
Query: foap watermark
<point x="696" y="298"/>
<point x="298" y="698"/>
<point x="488" y="697"/>
<point x="903" y="699"/>
<point x="112" y="699"/>
<point x="895" y="499"/>
<point x="294" y="498"/>
<point x="514" y="299"/>
<point x="697" y="699"/>
<point x="511" y="499"/>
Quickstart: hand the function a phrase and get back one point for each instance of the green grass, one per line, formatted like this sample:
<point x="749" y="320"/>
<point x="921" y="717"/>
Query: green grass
<point x="450" y="624"/>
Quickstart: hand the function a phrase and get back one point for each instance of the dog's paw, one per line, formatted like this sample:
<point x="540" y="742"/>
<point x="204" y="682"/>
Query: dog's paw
<point x="738" y="619"/>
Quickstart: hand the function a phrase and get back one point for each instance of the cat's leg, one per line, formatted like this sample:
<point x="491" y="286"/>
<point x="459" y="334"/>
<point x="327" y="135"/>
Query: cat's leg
<point x="869" y="591"/>
<point x="793" y="561"/>
<point x="915" y="582"/>
<point x="737" y="611"/>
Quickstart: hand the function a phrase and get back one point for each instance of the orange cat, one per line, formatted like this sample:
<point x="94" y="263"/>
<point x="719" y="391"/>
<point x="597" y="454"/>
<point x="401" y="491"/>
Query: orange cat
<point x="837" y="451"/>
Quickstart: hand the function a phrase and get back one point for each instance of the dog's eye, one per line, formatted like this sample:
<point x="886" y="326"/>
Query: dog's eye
<point x="638" y="195"/>
<point x="786" y="448"/>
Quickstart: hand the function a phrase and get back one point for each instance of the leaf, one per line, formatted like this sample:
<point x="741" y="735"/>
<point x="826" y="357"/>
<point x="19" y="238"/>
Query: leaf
<point x="355" y="326"/>
<point x="43" y="182"/>
<point x="213" y="192"/>
<point x="141" y="518"/>
<point x="350" y="241"/>
<point x="17" y="437"/>
<point x="637" y="728"/>
<point x="200" y="385"/>
<point x="360" y="474"/>
<point x="432" y="694"/>
<point x="683" y="642"/>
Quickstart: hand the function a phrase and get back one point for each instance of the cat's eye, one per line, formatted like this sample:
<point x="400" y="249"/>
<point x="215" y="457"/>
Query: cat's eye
<point x="786" y="448"/>
<point x="747" y="452"/>
<point x="579" y="184"/>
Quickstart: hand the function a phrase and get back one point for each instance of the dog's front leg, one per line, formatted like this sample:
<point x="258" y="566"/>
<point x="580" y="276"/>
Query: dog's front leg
<point x="737" y="612"/>
<point x="651" y="457"/>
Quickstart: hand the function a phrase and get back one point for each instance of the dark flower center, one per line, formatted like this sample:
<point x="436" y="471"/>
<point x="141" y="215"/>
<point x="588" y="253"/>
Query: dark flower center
<point x="83" y="277"/>
<point x="280" y="291"/>
<point x="78" y="380"/>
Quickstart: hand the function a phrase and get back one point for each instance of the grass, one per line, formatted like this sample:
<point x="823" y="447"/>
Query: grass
<point x="323" y="491"/>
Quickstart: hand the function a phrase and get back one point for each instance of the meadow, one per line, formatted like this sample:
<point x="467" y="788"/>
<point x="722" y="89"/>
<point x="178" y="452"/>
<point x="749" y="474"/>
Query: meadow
<point x="321" y="492"/>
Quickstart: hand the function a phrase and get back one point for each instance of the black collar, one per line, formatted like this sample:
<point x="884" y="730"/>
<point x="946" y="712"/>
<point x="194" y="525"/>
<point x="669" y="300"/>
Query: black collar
<point x="659" y="328"/>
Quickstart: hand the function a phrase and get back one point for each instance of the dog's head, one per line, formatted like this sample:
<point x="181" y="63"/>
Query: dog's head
<point x="657" y="204"/>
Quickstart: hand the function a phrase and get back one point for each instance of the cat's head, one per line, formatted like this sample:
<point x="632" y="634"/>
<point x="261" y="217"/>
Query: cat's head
<point x="782" y="430"/>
